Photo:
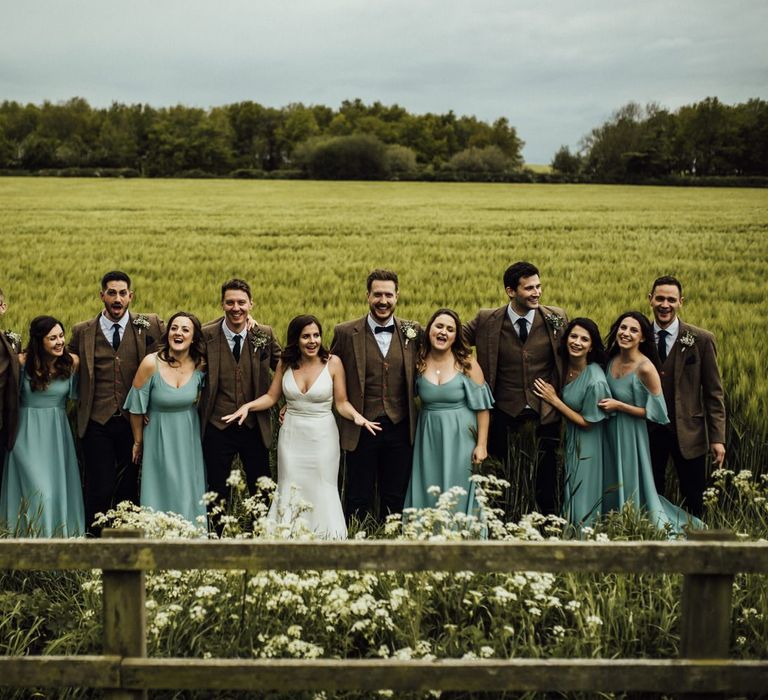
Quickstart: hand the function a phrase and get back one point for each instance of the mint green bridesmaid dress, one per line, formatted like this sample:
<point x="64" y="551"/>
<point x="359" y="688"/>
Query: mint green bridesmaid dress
<point x="172" y="467"/>
<point x="41" y="493"/>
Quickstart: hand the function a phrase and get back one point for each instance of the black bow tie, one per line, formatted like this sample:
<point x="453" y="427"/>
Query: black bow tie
<point x="384" y="329"/>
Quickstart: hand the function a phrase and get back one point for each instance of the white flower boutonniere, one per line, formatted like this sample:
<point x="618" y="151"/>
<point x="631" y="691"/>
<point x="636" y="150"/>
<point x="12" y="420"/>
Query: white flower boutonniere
<point x="687" y="340"/>
<point x="14" y="339"/>
<point x="141" y="322"/>
<point x="409" y="331"/>
<point x="259" y="340"/>
<point x="556" y="322"/>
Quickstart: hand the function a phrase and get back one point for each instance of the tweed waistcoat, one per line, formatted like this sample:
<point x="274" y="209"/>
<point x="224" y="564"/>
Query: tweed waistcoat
<point x="386" y="393"/>
<point x="235" y="384"/>
<point x="109" y="389"/>
<point x="519" y="365"/>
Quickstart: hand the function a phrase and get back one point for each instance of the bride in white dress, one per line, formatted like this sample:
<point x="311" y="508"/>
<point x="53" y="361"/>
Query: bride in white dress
<point x="312" y="380"/>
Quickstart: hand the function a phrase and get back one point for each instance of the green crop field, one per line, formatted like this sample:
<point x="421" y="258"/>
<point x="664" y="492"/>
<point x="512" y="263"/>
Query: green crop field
<point x="308" y="246"/>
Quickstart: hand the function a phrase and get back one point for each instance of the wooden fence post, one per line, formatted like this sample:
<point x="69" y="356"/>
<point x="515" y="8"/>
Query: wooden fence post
<point x="124" y="615"/>
<point x="706" y="609"/>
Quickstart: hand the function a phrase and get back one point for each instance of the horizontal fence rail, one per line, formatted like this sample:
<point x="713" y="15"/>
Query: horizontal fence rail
<point x="708" y="562"/>
<point x="703" y="557"/>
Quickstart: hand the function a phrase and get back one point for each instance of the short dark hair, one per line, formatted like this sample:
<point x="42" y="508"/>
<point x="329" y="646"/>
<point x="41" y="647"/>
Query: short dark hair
<point x="115" y="276"/>
<point x="237" y="284"/>
<point x="291" y="354"/>
<point x="516" y="271"/>
<point x="667" y="279"/>
<point x="381" y="275"/>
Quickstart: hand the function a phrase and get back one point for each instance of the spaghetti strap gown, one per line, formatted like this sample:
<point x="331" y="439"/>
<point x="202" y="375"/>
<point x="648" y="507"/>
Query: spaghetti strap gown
<point x="41" y="492"/>
<point x="172" y="467"/>
<point x="442" y="449"/>
<point x="584" y="489"/>
<point x="628" y="470"/>
<point x="308" y="459"/>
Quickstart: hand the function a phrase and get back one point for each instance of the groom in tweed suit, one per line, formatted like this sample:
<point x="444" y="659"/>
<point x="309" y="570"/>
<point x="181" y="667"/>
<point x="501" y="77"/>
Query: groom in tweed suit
<point x="111" y="347"/>
<point x="690" y="379"/>
<point x="516" y="343"/>
<point x="379" y="354"/>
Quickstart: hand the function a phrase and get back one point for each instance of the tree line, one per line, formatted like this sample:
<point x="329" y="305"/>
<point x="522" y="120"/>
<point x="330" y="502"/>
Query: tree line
<point x="246" y="138"/>
<point x="702" y="140"/>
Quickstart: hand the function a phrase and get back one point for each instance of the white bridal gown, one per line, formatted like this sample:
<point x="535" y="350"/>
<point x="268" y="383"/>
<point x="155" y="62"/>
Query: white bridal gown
<point x="308" y="458"/>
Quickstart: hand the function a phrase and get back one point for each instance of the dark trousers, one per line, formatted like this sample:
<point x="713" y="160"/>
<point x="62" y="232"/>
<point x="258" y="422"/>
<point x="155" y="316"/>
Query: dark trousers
<point x="220" y="448"/>
<point x="109" y="474"/>
<point x="690" y="472"/>
<point x="547" y="443"/>
<point x="386" y="457"/>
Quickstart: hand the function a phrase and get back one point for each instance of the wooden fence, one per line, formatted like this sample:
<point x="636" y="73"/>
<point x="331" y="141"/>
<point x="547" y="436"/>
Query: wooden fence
<point x="708" y="563"/>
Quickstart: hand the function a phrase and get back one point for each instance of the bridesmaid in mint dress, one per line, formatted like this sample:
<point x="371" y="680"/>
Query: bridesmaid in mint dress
<point x="633" y="378"/>
<point x="584" y="385"/>
<point x="41" y="494"/>
<point x="167" y="388"/>
<point x="452" y="430"/>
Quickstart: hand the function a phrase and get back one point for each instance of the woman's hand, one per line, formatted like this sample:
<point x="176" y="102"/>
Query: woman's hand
<point x="136" y="452"/>
<point x="239" y="415"/>
<point x="544" y="390"/>
<point x="609" y="405"/>
<point x="479" y="454"/>
<point x="370" y="426"/>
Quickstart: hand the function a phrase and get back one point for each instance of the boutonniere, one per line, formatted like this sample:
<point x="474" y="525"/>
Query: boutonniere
<point x="687" y="340"/>
<point x="409" y="331"/>
<point x="259" y="340"/>
<point x="14" y="339"/>
<point x="556" y="322"/>
<point x="141" y="322"/>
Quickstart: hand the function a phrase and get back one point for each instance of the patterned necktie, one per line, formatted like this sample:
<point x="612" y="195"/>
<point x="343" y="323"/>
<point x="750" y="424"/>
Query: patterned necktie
<point x="663" y="345"/>
<point x="116" y="336"/>
<point x="522" y="324"/>
<point x="236" y="350"/>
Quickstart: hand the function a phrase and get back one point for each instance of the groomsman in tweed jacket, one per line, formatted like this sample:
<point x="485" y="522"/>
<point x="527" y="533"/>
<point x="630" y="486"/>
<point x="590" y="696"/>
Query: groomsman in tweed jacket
<point x="379" y="353"/>
<point x="690" y="379"/>
<point x="516" y="343"/>
<point x="10" y="346"/>
<point x="239" y="363"/>
<point x="111" y="347"/>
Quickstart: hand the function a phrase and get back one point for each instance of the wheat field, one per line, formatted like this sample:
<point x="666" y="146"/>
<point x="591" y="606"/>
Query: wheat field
<point x="308" y="247"/>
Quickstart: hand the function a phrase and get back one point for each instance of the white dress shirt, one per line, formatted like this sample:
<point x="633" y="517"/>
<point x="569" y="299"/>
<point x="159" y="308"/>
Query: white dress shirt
<point x="230" y="336"/>
<point x="515" y="317"/>
<point x="107" y="326"/>
<point x="672" y="330"/>
<point x="383" y="340"/>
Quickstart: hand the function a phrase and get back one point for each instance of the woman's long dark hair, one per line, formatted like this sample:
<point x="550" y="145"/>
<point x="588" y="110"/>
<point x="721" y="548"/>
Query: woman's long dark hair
<point x="291" y="355"/>
<point x="196" y="349"/>
<point x="461" y="351"/>
<point x="36" y="367"/>
<point x="596" y="352"/>
<point x="647" y="346"/>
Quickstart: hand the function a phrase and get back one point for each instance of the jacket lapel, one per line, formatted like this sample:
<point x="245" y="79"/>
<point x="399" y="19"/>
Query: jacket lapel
<point x="358" y="348"/>
<point x="90" y="344"/>
<point x="494" y="339"/>
<point x="677" y="355"/>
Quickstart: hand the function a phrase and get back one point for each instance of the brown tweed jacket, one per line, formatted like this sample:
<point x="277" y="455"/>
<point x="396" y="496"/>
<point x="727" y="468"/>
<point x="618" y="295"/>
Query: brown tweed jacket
<point x="83" y="344"/>
<point x="349" y="345"/>
<point x="9" y="389"/>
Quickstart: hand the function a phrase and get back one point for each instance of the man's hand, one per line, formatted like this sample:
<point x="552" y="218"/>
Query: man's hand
<point x="718" y="454"/>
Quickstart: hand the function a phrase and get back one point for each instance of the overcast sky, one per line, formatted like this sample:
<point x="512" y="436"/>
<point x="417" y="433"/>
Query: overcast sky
<point x="554" y="69"/>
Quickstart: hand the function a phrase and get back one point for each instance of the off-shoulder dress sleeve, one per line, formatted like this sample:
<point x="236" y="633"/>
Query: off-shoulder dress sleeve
<point x="137" y="400"/>
<point x="654" y="404"/>
<point x="596" y="390"/>
<point x="479" y="397"/>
